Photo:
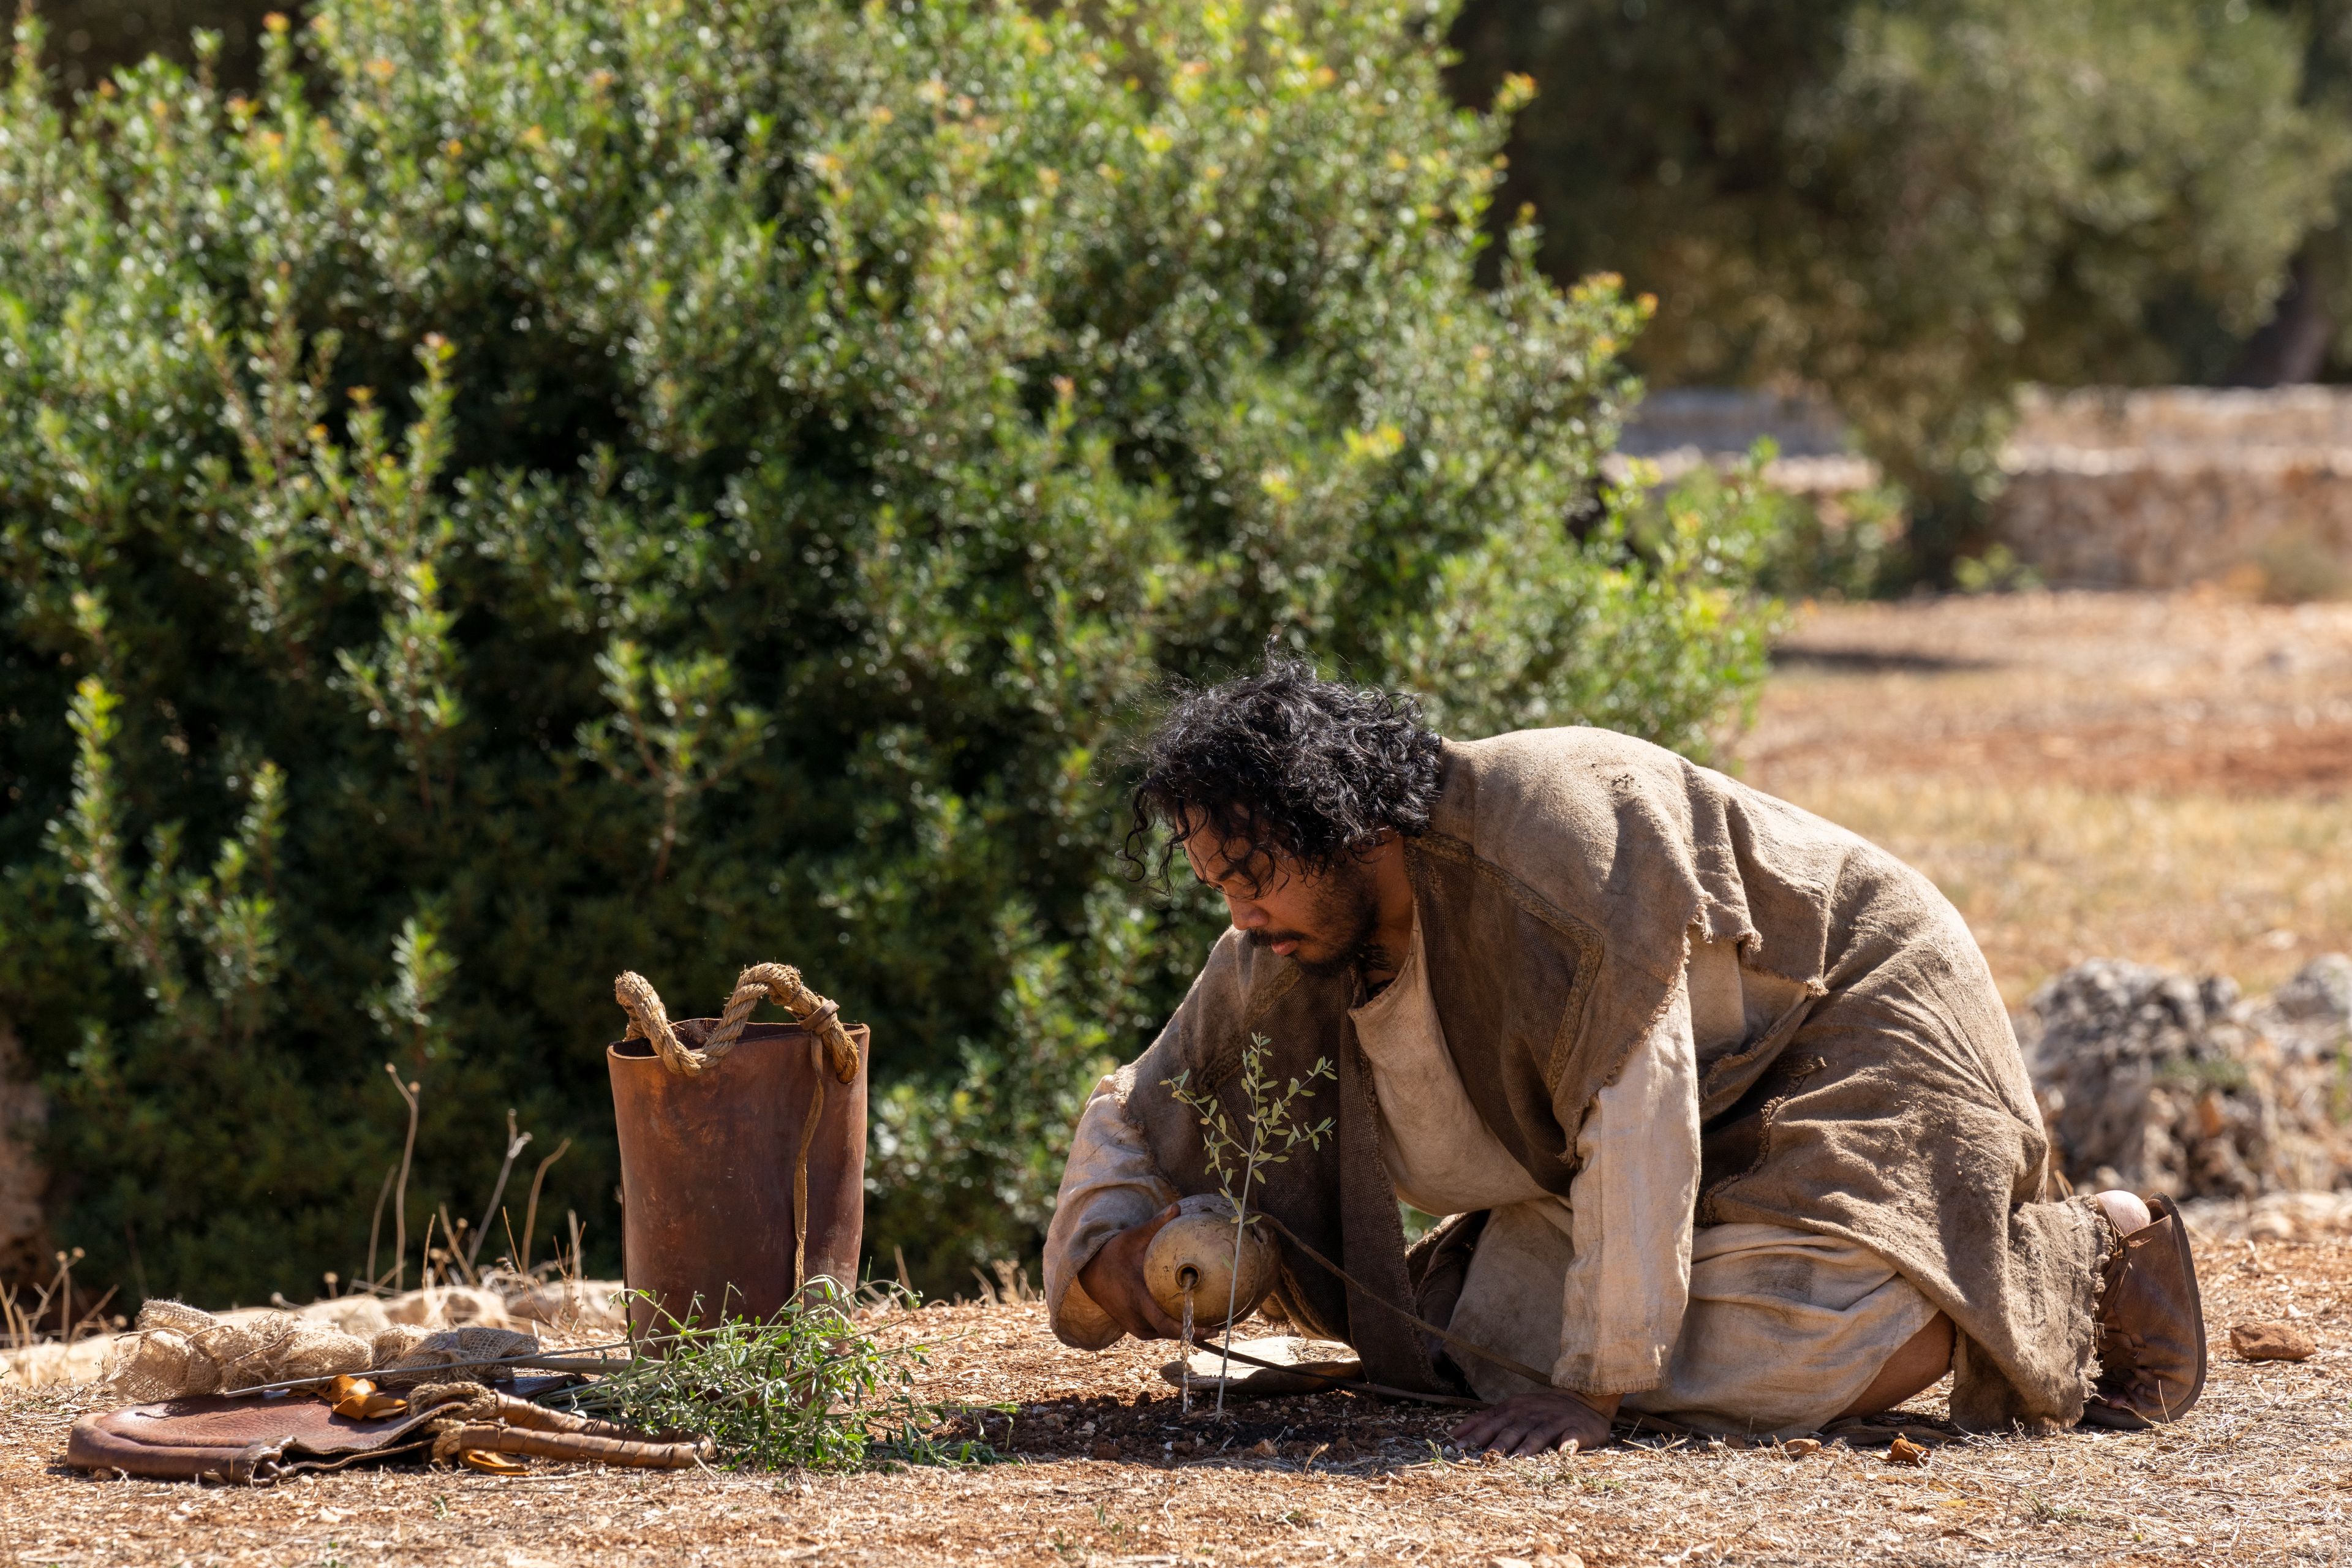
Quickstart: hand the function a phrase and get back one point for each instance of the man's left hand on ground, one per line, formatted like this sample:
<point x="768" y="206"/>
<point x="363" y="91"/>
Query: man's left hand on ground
<point x="1528" y="1423"/>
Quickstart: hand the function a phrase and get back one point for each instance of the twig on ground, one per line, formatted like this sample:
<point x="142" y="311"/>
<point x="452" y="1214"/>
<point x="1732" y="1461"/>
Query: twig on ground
<point x="375" y="1227"/>
<point x="83" y="1321"/>
<point x="408" y="1092"/>
<point x="455" y="1231"/>
<point x="515" y="1143"/>
<point x="578" y="1360"/>
<point x="530" y="1210"/>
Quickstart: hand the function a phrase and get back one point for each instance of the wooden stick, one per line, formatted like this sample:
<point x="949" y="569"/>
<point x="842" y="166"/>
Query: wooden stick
<point x="400" y="1194"/>
<point x="531" y="1211"/>
<point x="633" y="1453"/>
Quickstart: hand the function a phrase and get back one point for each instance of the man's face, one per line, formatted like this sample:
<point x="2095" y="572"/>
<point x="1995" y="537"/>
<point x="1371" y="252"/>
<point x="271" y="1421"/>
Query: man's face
<point x="1324" y="922"/>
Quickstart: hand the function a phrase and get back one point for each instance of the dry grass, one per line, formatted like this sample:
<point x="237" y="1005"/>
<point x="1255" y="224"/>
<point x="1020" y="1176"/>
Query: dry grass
<point x="2161" y="777"/>
<point x="2051" y="875"/>
<point x="2258" y="1474"/>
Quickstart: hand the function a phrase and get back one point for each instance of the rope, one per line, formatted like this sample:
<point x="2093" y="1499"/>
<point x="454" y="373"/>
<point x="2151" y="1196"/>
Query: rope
<point x="777" y="983"/>
<point x="1540" y="1379"/>
<point x="1355" y="1385"/>
<point x="781" y="984"/>
<point x="648" y="1020"/>
<point x="799" y="1171"/>
<point x="459" y="1402"/>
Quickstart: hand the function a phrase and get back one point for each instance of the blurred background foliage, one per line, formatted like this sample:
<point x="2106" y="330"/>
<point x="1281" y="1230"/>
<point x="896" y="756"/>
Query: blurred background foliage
<point x="1913" y="205"/>
<point x="492" y="493"/>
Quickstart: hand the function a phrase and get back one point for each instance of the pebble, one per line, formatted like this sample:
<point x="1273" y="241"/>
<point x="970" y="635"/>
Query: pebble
<point x="2272" y="1342"/>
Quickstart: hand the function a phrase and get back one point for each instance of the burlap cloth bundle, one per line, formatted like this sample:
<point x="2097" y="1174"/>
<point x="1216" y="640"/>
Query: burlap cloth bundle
<point x="179" y="1350"/>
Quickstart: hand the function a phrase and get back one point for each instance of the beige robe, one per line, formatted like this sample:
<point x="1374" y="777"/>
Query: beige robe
<point x="1740" y="1328"/>
<point x="1560" y="885"/>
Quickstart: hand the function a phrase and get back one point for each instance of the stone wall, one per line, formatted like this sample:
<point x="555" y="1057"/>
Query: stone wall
<point x="1681" y="429"/>
<point x="2171" y="487"/>
<point x="2176" y="1084"/>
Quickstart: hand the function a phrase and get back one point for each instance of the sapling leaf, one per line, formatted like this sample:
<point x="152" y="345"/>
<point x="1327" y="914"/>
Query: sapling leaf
<point x="1270" y="1119"/>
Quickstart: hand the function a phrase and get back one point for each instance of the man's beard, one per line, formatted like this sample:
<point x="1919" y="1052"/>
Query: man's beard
<point x="1345" y="916"/>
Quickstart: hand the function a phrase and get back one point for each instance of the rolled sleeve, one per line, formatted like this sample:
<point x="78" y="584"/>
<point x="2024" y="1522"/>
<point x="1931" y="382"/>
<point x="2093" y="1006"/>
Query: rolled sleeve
<point x="1110" y="1184"/>
<point x="1628" y="1284"/>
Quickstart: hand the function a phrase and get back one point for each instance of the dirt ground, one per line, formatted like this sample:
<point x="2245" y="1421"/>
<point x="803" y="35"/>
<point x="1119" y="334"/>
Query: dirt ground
<point x="2162" y="777"/>
<point x="2262" y="1472"/>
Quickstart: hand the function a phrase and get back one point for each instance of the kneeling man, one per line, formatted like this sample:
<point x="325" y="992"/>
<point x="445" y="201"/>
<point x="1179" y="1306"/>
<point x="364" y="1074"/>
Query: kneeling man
<point x="1720" y="1100"/>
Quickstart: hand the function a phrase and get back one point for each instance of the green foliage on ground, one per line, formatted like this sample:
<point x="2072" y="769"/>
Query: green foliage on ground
<point x="809" y="1388"/>
<point x="536" y="490"/>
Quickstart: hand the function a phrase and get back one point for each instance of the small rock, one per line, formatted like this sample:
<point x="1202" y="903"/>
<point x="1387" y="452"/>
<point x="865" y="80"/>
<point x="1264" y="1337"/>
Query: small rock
<point x="1264" y="1448"/>
<point x="1906" y="1452"/>
<point x="1508" y="1563"/>
<point x="1106" y="1450"/>
<point x="1798" y="1447"/>
<point x="1563" y="1558"/>
<point x="2272" y="1342"/>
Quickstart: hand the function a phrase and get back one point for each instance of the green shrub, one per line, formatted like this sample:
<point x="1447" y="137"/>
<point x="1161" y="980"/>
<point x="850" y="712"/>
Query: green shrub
<point x="806" y="1388"/>
<point x="1850" y="544"/>
<point x="802" y="440"/>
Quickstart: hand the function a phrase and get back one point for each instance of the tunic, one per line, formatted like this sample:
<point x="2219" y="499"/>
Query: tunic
<point x="1564" y="884"/>
<point x="1751" y="1329"/>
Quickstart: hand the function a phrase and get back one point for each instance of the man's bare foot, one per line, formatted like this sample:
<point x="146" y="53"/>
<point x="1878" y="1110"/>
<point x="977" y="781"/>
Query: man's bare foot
<point x="2128" y="1212"/>
<point x="1928" y="1354"/>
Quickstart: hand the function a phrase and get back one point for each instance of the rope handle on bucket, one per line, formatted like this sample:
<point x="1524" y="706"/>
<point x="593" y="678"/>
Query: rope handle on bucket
<point x="780" y="984"/>
<point x="777" y="983"/>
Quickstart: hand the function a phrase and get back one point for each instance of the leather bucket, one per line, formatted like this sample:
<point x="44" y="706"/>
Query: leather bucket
<point x="742" y="1153"/>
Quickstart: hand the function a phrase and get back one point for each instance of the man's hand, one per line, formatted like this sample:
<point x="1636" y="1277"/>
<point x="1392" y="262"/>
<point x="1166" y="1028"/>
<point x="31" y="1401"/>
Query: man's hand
<point x="1538" y="1423"/>
<point x="1114" y="1281"/>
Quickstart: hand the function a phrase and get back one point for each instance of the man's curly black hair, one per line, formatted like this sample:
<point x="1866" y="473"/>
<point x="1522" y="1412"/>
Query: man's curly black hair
<point x="1284" y="763"/>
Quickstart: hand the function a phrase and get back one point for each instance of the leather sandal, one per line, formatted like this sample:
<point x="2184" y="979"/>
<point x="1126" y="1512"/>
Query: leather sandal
<point x="2151" y="1328"/>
